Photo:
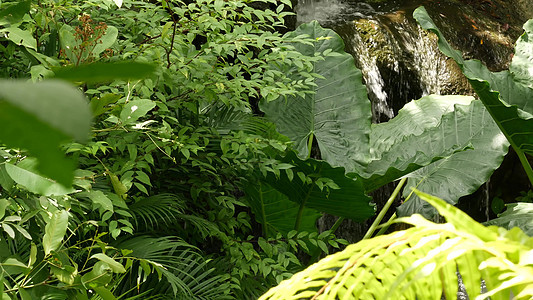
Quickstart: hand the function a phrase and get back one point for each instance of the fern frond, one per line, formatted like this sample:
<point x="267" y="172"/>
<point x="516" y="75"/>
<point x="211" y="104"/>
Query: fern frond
<point x="186" y="272"/>
<point x="204" y="227"/>
<point x="421" y="263"/>
<point x="156" y="211"/>
<point x="228" y="118"/>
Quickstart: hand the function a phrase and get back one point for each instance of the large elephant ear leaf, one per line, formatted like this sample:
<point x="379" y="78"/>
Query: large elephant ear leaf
<point x="276" y="212"/>
<point x="337" y="114"/>
<point x="517" y="215"/>
<point x="462" y="172"/>
<point x="317" y="185"/>
<point x="412" y="140"/>
<point x="508" y="96"/>
<point x="523" y="58"/>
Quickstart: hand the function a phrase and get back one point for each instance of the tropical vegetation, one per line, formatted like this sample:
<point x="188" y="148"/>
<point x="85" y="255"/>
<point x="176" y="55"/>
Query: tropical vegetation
<point x="186" y="149"/>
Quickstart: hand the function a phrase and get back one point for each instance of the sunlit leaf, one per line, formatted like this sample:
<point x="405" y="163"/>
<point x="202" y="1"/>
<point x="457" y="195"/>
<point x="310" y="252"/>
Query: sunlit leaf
<point x="136" y="109"/>
<point x="21" y="37"/>
<point x="36" y="183"/>
<point x="55" y="231"/>
<point x="113" y="264"/>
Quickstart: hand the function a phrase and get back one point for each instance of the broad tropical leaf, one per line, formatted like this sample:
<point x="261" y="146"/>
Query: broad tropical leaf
<point x="517" y="215"/>
<point x="276" y="212"/>
<point x="507" y="95"/>
<point x="421" y="263"/>
<point x="416" y="137"/>
<point x="347" y="200"/>
<point x="463" y="172"/>
<point x="337" y="114"/>
<point x="39" y="117"/>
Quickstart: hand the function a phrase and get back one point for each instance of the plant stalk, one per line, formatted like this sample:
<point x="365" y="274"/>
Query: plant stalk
<point x="310" y="144"/>
<point x="336" y="224"/>
<point x="302" y="205"/>
<point x="525" y="164"/>
<point x="384" y="210"/>
<point x="394" y="216"/>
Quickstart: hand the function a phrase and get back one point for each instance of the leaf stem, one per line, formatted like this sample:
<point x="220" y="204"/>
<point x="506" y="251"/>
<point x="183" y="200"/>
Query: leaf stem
<point x="336" y="225"/>
<point x="302" y="205"/>
<point x="525" y="164"/>
<point x="385" y="208"/>
<point x="310" y="144"/>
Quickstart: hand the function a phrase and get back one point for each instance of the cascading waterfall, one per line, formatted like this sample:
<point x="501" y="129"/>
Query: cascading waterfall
<point x="374" y="81"/>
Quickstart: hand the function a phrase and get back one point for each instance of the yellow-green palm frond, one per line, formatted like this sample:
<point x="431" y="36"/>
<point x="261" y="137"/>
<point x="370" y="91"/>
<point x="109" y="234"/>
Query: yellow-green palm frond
<point x="422" y="263"/>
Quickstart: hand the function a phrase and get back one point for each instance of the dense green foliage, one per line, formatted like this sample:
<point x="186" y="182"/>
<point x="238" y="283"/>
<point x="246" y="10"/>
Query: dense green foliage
<point x="155" y="205"/>
<point x="135" y="161"/>
<point x="425" y="261"/>
<point x="422" y="262"/>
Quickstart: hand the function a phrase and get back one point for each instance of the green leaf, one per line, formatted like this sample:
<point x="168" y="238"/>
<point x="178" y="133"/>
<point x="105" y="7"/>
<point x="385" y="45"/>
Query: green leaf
<point x="12" y="266"/>
<point x="337" y="114"/>
<point x="36" y="183"/>
<point x="113" y="264"/>
<point x="102" y="72"/>
<point x="107" y="40"/>
<point x="100" y="105"/>
<point x="100" y="290"/>
<point x="8" y="230"/>
<point x="462" y="172"/>
<point x="100" y="275"/>
<point x="68" y="42"/>
<point x="39" y="117"/>
<point x="349" y="200"/>
<point x="21" y="37"/>
<point x="523" y="57"/>
<point x="423" y="132"/>
<point x="55" y="231"/>
<point x="66" y="274"/>
<point x="4" y="203"/>
<point x="13" y="12"/>
<point x="275" y="211"/>
<point x="22" y="231"/>
<point x="99" y="199"/>
<point x="136" y="109"/>
<point x="517" y="215"/>
<point x="119" y="188"/>
<point x="507" y="96"/>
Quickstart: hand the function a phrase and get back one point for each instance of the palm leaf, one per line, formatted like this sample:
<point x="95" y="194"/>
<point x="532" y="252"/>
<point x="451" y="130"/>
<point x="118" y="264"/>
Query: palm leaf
<point x="158" y="210"/>
<point x="229" y="118"/>
<point x="186" y="272"/>
<point x="421" y="263"/>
